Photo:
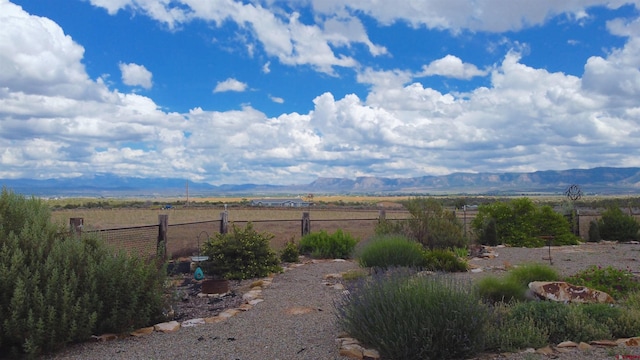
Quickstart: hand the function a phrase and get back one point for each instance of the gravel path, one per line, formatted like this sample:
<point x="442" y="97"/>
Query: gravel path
<point x="269" y="331"/>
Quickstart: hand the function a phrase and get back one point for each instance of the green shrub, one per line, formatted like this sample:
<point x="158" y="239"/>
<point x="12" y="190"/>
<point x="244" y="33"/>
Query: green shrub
<point x="290" y="252"/>
<point x="494" y="290"/>
<point x="409" y="317"/>
<point x="615" y="225"/>
<point x="504" y="333"/>
<point x="56" y="289"/>
<point x="594" y="232"/>
<point x="242" y="253"/>
<point x="391" y="251"/>
<point x="487" y="233"/>
<point x="430" y="224"/>
<point x="515" y="284"/>
<point x="526" y="273"/>
<point x="338" y="245"/>
<point x="615" y="282"/>
<point x="444" y="260"/>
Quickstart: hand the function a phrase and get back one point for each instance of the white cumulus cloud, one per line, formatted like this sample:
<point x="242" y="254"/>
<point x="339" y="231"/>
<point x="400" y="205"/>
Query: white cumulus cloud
<point x="230" y="84"/>
<point x="136" y="75"/>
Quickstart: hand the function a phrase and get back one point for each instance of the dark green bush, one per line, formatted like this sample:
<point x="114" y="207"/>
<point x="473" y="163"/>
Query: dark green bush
<point x="388" y="251"/>
<point x="487" y="234"/>
<point x="410" y="317"/>
<point x="242" y="253"/>
<point x="520" y="223"/>
<point x="338" y="245"/>
<point x="56" y="289"/>
<point x="444" y="260"/>
<point x="615" y="225"/>
<point x="290" y="252"/>
<point x="594" y="232"/>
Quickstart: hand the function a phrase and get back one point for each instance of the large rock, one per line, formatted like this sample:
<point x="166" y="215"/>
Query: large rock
<point x="565" y="292"/>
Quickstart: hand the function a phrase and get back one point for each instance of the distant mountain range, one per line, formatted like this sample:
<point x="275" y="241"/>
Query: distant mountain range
<point x="602" y="180"/>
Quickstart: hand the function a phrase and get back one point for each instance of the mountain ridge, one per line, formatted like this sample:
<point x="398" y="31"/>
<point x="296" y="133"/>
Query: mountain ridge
<point x="604" y="180"/>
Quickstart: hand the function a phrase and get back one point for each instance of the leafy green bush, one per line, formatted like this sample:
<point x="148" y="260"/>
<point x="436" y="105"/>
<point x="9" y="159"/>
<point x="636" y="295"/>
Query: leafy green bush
<point x="515" y="284"/>
<point x="242" y="253"/>
<point x="444" y="260"/>
<point x="338" y="245"/>
<point x="615" y="225"/>
<point x="505" y="333"/>
<point x="520" y="223"/>
<point x="430" y="224"/>
<point x="56" y="289"/>
<point x="615" y="282"/>
<point x="290" y="252"/>
<point x="387" y="251"/>
<point x="409" y="317"/>
<point x="487" y="233"/>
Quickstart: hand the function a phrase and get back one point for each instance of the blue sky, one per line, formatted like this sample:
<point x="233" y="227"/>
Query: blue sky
<point x="283" y="92"/>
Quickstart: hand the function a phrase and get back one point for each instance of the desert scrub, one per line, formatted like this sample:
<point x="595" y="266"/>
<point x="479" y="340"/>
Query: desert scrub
<point x="514" y="285"/>
<point x="241" y="254"/>
<point x="617" y="226"/>
<point x="444" y="260"/>
<point x="385" y="251"/>
<point x="56" y="288"/>
<point x="405" y="316"/>
<point x="615" y="282"/>
<point x="338" y="245"/>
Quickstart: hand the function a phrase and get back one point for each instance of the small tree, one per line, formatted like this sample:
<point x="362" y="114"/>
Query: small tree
<point x="617" y="226"/>
<point x="594" y="232"/>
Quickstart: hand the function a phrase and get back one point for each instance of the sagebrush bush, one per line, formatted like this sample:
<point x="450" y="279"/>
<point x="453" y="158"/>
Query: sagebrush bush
<point x="414" y="317"/>
<point x="387" y="251"/>
<point x="338" y="245"/>
<point x="504" y="333"/>
<point x="56" y="289"/>
<point x="444" y="260"/>
<point x="242" y="253"/>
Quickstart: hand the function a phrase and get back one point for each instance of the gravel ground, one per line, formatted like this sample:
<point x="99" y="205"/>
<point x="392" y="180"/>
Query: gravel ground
<point x="268" y="331"/>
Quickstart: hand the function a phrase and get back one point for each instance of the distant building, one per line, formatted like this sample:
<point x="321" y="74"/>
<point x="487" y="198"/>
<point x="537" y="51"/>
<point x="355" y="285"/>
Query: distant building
<point x="280" y="202"/>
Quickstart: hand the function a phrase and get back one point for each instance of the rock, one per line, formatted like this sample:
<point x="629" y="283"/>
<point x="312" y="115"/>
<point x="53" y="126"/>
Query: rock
<point x="584" y="346"/>
<point x="610" y="343"/>
<point x="635" y="341"/>
<point x="370" y="354"/>
<point x="192" y="322"/>
<point x="353" y="351"/>
<point x="167" y="327"/>
<point x="338" y="287"/>
<point x="214" y="319"/>
<point x="105" y="337"/>
<point x="229" y="313"/>
<point x="300" y="310"/>
<point x="567" y="344"/>
<point x="476" y="270"/>
<point x="255" y="302"/>
<point x="252" y="295"/>
<point x="547" y="350"/>
<point x="565" y="292"/>
<point x="332" y="276"/>
<point x="142" y="332"/>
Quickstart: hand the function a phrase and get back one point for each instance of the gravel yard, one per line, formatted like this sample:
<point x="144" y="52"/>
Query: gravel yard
<point x="296" y="318"/>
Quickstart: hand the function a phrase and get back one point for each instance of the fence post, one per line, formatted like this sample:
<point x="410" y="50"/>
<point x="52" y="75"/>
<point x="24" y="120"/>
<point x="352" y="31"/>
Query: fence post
<point x="306" y="224"/>
<point x="224" y="222"/>
<point x="163" y="226"/>
<point x="75" y="225"/>
<point x="382" y="215"/>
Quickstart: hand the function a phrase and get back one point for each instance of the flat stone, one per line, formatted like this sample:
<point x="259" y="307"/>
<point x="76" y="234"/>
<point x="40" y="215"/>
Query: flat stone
<point x="105" y="337"/>
<point x="214" y="319"/>
<point x="567" y="344"/>
<point x="635" y="341"/>
<point x="300" y="310"/>
<point x="251" y="295"/>
<point x="167" y="327"/>
<point x="192" y="322"/>
<point x="245" y="307"/>
<point x="338" y="287"/>
<point x="610" y="343"/>
<point x="255" y="302"/>
<point x="229" y="313"/>
<point x="370" y="354"/>
<point x="142" y="331"/>
<point x="332" y="276"/>
<point x="476" y="270"/>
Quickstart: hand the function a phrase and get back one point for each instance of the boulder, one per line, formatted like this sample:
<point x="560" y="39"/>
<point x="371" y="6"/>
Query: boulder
<point x="565" y="292"/>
